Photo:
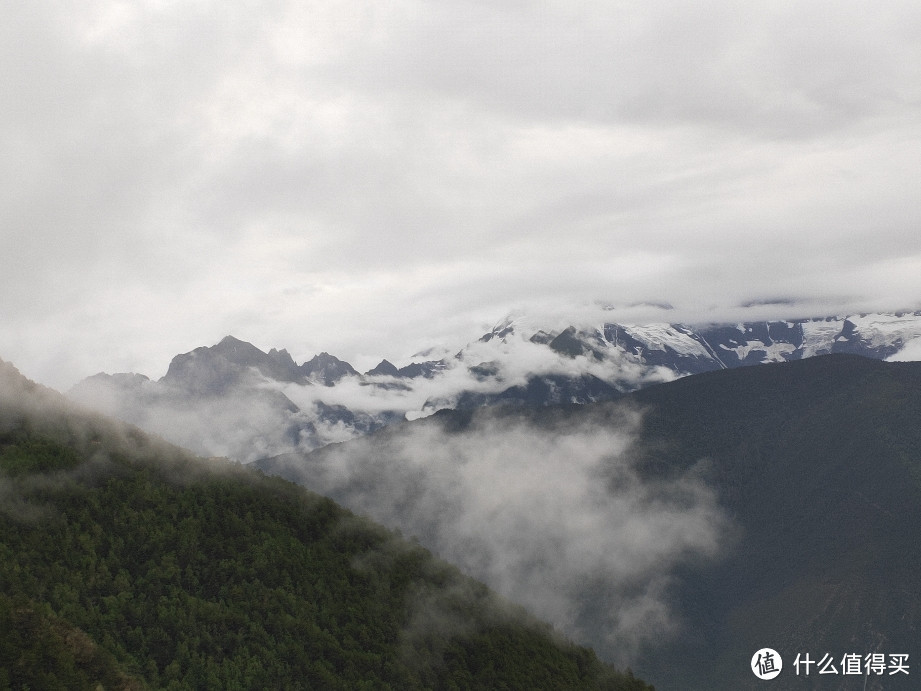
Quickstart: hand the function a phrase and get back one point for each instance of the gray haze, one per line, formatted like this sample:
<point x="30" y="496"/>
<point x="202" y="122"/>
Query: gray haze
<point x="553" y="516"/>
<point x="373" y="178"/>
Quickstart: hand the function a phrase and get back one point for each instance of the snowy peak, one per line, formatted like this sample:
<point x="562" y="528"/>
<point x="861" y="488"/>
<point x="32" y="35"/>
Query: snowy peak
<point x="883" y="334"/>
<point x="500" y="331"/>
<point x="674" y="346"/>
<point x="685" y="349"/>
<point x="877" y="336"/>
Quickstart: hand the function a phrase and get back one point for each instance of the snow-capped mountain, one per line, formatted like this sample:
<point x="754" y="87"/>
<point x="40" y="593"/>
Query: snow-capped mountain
<point x="233" y="399"/>
<point x="690" y="350"/>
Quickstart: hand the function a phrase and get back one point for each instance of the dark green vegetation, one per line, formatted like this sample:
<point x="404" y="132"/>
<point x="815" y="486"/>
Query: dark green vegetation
<point x="41" y="651"/>
<point x="128" y="563"/>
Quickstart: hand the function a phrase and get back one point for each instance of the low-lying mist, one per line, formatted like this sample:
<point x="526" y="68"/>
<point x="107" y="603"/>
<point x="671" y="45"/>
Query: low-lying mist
<point x="554" y="515"/>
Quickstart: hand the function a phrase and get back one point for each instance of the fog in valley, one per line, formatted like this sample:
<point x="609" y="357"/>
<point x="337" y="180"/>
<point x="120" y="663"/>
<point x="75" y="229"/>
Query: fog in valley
<point x="557" y="518"/>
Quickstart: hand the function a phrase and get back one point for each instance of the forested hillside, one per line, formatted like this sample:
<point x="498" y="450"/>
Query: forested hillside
<point x="129" y="563"/>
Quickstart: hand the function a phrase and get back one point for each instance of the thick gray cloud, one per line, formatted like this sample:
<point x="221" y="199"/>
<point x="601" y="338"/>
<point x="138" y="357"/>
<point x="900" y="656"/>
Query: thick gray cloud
<point x="367" y="179"/>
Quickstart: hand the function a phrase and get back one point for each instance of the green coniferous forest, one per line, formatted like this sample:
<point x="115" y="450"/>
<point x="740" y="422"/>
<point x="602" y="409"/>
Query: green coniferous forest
<point x="128" y="563"/>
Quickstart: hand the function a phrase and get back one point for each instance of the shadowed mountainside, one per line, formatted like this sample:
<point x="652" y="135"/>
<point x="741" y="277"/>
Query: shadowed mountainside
<point x="819" y="463"/>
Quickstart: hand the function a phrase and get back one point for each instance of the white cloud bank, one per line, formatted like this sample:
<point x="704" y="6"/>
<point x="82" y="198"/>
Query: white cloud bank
<point x="555" y="517"/>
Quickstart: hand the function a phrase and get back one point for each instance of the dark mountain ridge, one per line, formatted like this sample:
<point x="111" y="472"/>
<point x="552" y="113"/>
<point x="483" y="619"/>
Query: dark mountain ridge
<point x="819" y="462"/>
<point x="214" y="370"/>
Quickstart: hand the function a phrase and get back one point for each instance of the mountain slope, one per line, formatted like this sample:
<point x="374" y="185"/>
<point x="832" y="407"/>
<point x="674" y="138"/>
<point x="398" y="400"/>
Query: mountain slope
<point x="182" y="573"/>
<point x="775" y="506"/>
<point x="819" y="463"/>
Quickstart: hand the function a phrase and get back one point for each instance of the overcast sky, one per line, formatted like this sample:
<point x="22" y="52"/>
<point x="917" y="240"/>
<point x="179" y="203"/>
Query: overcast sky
<point x="369" y="178"/>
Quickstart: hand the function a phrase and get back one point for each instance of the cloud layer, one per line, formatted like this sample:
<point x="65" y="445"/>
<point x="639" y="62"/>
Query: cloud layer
<point x="367" y="180"/>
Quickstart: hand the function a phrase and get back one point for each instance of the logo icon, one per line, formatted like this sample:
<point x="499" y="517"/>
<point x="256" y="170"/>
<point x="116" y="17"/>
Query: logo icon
<point x="766" y="663"/>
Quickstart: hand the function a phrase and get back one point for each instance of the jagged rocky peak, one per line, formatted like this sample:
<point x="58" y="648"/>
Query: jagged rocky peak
<point x="567" y="343"/>
<point x="276" y="364"/>
<point x="326" y="369"/>
<point x="385" y="368"/>
<point x="236" y="350"/>
<point x="215" y="369"/>
<point x="282" y="357"/>
<point x="542" y="337"/>
<point x="426" y="370"/>
<point x="574" y="343"/>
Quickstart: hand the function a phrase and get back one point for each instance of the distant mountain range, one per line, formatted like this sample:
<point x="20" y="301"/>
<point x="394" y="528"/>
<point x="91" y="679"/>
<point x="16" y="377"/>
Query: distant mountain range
<point x="233" y="399"/>
<point x="691" y="523"/>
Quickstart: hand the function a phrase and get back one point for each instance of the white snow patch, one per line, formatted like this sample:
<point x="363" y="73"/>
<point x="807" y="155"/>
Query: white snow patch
<point x="773" y="353"/>
<point x="819" y="336"/>
<point x="658" y="336"/>
<point x="910" y="353"/>
<point x="887" y="329"/>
